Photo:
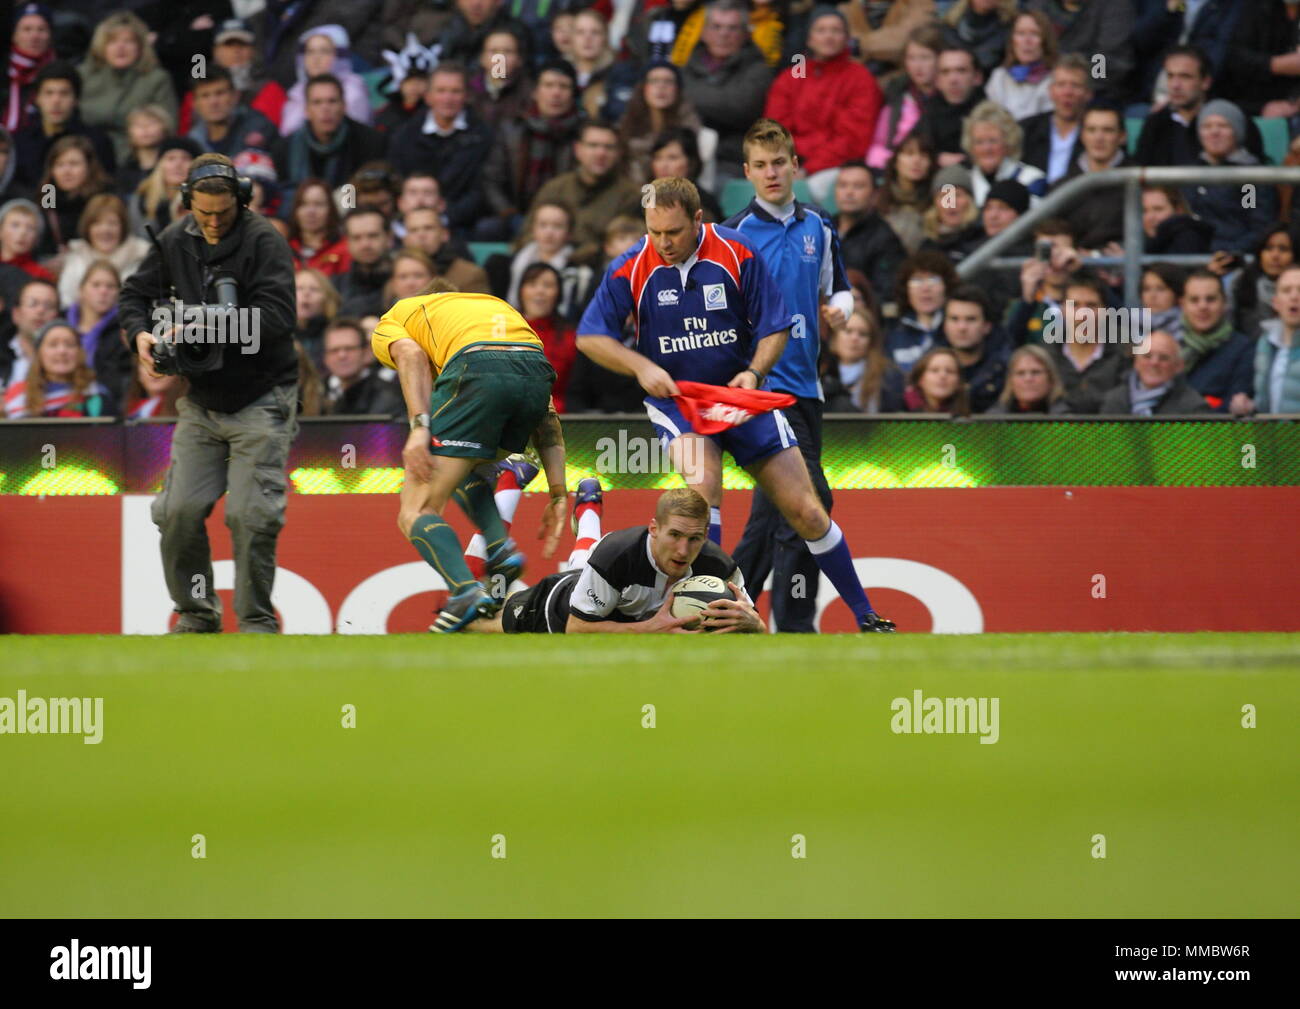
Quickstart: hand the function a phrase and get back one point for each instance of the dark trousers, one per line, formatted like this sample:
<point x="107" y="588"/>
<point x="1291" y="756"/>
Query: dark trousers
<point x="770" y="546"/>
<point x="242" y="455"/>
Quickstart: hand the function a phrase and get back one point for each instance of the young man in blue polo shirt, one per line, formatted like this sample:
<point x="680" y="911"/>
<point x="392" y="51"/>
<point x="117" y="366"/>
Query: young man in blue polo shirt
<point x="800" y="247"/>
<point x="706" y="310"/>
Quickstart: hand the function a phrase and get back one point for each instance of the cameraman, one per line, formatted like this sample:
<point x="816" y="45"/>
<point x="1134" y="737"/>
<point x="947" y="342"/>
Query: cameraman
<point x="238" y="420"/>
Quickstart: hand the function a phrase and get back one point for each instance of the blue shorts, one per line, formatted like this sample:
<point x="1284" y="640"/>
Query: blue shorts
<point x="764" y="435"/>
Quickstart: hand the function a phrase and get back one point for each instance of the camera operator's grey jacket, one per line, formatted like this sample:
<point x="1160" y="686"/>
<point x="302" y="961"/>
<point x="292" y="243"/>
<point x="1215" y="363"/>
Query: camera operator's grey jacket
<point x="262" y="263"/>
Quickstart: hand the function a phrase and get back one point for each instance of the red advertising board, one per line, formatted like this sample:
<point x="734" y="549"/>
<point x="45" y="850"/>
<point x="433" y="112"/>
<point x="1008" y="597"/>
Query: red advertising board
<point x="955" y="561"/>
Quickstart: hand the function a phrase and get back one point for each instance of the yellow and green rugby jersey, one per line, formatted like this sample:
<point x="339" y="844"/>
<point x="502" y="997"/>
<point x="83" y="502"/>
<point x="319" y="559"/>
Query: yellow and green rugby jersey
<point x="447" y="323"/>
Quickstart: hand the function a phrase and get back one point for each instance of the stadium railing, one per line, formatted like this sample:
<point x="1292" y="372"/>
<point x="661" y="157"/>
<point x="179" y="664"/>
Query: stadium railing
<point x="1132" y="179"/>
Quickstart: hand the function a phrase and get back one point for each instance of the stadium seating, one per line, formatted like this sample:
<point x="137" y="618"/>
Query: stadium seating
<point x="737" y="193"/>
<point x="482" y="250"/>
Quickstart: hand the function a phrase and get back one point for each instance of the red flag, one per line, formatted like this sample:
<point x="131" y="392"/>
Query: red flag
<point x="714" y="408"/>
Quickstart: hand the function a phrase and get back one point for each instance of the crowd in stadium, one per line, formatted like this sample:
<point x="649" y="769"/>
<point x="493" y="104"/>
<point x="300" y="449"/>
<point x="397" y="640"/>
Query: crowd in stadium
<point x="503" y="146"/>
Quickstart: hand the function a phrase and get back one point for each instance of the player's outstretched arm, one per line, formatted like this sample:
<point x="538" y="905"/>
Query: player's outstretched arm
<point x="548" y="439"/>
<point x="416" y="376"/>
<point x="624" y="361"/>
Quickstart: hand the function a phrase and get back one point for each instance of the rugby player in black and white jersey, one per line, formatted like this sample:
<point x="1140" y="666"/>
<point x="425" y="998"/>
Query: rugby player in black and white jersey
<point x="623" y="584"/>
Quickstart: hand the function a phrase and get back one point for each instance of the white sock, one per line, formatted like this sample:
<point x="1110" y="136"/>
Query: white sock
<point x="507" y="501"/>
<point x="589" y="524"/>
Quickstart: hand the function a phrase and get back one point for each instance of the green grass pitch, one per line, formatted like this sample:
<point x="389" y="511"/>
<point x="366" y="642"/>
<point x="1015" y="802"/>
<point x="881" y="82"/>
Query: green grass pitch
<point x="540" y="739"/>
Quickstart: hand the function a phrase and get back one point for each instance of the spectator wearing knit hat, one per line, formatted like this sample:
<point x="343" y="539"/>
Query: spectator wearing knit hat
<point x="1221" y="126"/>
<point x="324" y="50"/>
<point x="30" y="50"/>
<point x="951" y="224"/>
<point x="1005" y="203"/>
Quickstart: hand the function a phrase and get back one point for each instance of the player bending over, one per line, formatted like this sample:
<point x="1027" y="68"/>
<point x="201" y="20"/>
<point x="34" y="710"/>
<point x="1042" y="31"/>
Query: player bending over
<point x="707" y="310"/>
<point x="492" y="393"/>
<point x="622" y="584"/>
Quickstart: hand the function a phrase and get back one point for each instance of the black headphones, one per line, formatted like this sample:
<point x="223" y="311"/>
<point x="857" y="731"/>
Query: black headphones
<point x="242" y="183"/>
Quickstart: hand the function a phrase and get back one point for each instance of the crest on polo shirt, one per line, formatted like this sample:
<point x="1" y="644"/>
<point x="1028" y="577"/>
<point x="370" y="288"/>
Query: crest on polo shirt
<point x="809" y="246"/>
<point x="715" y="297"/>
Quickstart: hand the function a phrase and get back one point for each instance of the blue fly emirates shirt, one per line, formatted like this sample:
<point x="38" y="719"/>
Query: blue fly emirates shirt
<point x="699" y="320"/>
<point x="801" y="250"/>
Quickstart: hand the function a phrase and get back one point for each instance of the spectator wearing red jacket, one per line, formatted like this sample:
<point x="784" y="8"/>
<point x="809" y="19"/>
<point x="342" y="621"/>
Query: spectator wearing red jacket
<point x="315" y="233"/>
<point x="828" y="101"/>
<point x="539" y="303"/>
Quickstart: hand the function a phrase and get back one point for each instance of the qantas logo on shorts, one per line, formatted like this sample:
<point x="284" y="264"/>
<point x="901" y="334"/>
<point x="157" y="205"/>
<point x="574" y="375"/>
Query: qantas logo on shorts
<point x="518" y="610"/>
<point x="668" y="297"/>
<point x="456" y="444"/>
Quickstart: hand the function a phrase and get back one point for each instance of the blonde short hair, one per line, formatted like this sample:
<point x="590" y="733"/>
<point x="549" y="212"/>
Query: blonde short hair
<point x="991" y="112"/>
<point x="684" y="502"/>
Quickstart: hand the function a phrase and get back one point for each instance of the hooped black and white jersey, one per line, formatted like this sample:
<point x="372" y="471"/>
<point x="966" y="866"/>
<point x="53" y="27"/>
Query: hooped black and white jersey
<point x="621" y="581"/>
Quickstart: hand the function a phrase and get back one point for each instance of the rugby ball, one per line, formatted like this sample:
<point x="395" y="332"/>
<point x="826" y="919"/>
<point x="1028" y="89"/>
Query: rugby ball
<point x="693" y="594"/>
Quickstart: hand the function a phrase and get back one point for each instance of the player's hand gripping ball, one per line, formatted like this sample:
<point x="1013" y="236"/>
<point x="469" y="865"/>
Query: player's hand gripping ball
<point x="692" y="595"/>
